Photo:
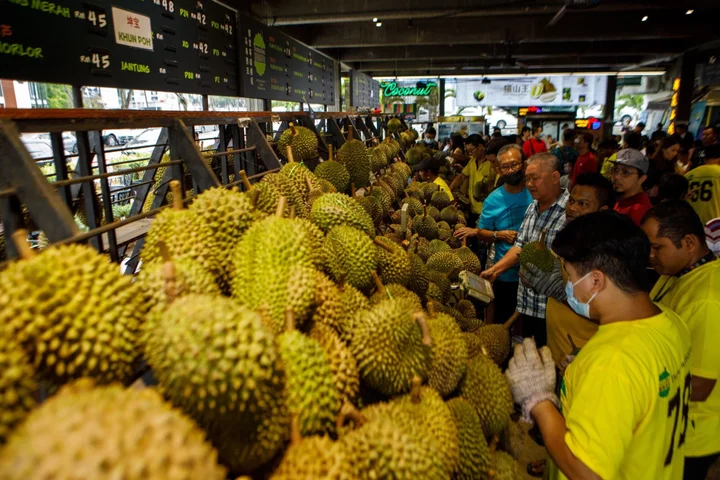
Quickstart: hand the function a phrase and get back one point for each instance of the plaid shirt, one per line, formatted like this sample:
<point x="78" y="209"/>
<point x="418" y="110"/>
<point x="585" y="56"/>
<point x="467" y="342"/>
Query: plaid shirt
<point x="552" y="220"/>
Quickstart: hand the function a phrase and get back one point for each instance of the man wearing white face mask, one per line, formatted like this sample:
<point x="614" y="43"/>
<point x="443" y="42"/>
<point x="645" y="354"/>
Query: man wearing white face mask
<point x="429" y="138"/>
<point x="622" y="411"/>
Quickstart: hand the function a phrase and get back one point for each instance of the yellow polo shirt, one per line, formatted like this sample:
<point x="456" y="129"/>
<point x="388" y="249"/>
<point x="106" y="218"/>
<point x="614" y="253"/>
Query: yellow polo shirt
<point x="444" y="187"/>
<point x="476" y="173"/>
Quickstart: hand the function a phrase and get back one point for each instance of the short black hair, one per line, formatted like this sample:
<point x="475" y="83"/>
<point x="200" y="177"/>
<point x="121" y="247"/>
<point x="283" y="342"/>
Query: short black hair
<point x="609" y="143"/>
<point x="640" y="124"/>
<point x="458" y="141"/>
<point x="676" y="218"/>
<point x="716" y="130"/>
<point x="588" y="137"/>
<point x="525" y="129"/>
<point x="535" y="128"/>
<point x="475" y="139"/>
<point x="564" y="125"/>
<point x="603" y="187"/>
<point x="672" y="186"/>
<point x="494" y="145"/>
<point x="711" y="152"/>
<point x="434" y="165"/>
<point x="609" y="242"/>
<point x="431" y="130"/>
<point x="660" y="125"/>
<point x="569" y="134"/>
<point x="496" y="129"/>
<point x="633" y="140"/>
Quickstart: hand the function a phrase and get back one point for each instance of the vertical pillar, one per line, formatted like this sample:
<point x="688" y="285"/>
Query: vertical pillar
<point x="608" y="118"/>
<point x="441" y="100"/>
<point x="77" y="96"/>
<point x="267" y="105"/>
<point x="685" y="92"/>
<point x="351" y="91"/>
<point x="205" y="103"/>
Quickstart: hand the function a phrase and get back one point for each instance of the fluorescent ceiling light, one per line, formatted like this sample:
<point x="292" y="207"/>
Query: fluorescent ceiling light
<point x="378" y="24"/>
<point x="644" y="19"/>
<point x="690" y="12"/>
<point x="375" y="19"/>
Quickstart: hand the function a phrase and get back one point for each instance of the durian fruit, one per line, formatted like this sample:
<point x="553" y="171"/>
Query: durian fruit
<point x="434" y="292"/>
<point x="415" y="191"/>
<point x="393" y="290"/>
<point x="267" y="196"/>
<point x="486" y="389"/>
<point x="433" y="247"/>
<point x="328" y="304"/>
<point x="342" y="364"/>
<point x="440" y="200"/>
<point x="474" y="345"/>
<point x="495" y="339"/>
<point x="288" y="189"/>
<point x="333" y="209"/>
<point x="349" y="253"/>
<point x="72" y="312"/>
<point x="394" y="124"/>
<point x="395" y="184"/>
<point x="466" y="324"/>
<point x="537" y="253"/>
<point x="504" y="467"/>
<point x="461" y="219"/>
<point x="434" y="213"/>
<point x="391" y="344"/>
<point x="425" y="225"/>
<point x="384" y="195"/>
<point x="389" y="449"/>
<point x="402" y="169"/>
<point x="378" y="159"/>
<point x="372" y="206"/>
<point x="415" y="207"/>
<point x="449" y="352"/>
<point x="419" y="281"/>
<point x="445" y="262"/>
<point x="303" y="141"/>
<point x="18" y="388"/>
<point x="394" y="145"/>
<point x="185" y="235"/>
<point x="97" y="433"/>
<point x="190" y="277"/>
<point x="354" y="155"/>
<point x="298" y="174"/>
<point x="442" y="282"/>
<point x="335" y="173"/>
<point x="449" y="215"/>
<point x="474" y="453"/>
<point x="393" y="262"/>
<point x="311" y="393"/>
<point x="353" y="301"/>
<point x="387" y="150"/>
<point x="311" y="458"/>
<point x="470" y="261"/>
<point x="429" y="188"/>
<point x="275" y="269"/>
<point x="466" y="308"/>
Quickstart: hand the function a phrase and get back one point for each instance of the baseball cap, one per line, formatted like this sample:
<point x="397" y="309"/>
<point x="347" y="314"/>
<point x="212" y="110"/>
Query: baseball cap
<point x="633" y="158"/>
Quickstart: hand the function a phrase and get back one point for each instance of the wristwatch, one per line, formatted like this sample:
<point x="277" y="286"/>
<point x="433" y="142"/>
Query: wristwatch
<point x="495" y="235"/>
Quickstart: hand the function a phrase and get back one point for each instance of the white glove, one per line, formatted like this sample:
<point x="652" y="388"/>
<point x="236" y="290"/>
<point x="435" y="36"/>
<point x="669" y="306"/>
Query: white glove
<point x="531" y="375"/>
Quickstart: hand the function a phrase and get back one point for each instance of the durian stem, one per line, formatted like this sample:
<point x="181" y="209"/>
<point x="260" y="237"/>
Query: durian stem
<point x="352" y="190"/>
<point x="289" y="320"/>
<point x="330" y="152"/>
<point x="177" y="194"/>
<point x="19" y="239"/>
<point x="380" y="243"/>
<point x="280" y="210"/>
<point x="494" y="443"/>
<point x="292" y="129"/>
<point x="349" y="411"/>
<point x="431" y="309"/>
<point x="254" y="195"/>
<point x="341" y="282"/>
<point x="378" y="282"/>
<point x="170" y="277"/>
<point x="309" y="182"/>
<point x="424" y="212"/>
<point x="415" y="389"/>
<point x="290" y="157"/>
<point x="421" y="319"/>
<point x="245" y="180"/>
<point x="543" y="236"/>
<point x="295" y="434"/>
<point x="464" y="242"/>
<point x="292" y="212"/>
<point x="405" y="243"/>
<point x="513" y="318"/>
<point x="350" y="133"/>
<point x="164" y="252"/>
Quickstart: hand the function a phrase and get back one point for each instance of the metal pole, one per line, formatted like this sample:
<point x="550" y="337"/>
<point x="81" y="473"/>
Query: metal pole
<point x="206" y="102"/>
<point x="441" y="100"/>
<point x="77" y="96"/>
<point x="267" y="105"/>
<point x="608" y="119"/>
<point x="687" y="85"/>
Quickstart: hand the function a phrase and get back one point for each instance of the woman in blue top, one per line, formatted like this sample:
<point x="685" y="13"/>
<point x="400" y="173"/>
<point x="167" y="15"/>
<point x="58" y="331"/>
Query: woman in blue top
<point x="503" y="212"/>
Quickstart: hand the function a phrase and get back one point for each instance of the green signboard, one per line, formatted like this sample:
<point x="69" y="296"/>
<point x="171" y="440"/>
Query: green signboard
<point x="391" y="89"/>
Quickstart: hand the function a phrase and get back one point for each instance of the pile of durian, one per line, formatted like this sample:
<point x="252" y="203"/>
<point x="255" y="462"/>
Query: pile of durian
<point x="294" y="331"/>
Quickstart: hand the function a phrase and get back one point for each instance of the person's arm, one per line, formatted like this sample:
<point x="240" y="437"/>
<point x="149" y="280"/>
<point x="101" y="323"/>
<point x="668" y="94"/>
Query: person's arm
<point x="553" y="429"/>
<point x="701" y="388"/>
<point x="457" y="181"/>
<point x="511" y="258"/>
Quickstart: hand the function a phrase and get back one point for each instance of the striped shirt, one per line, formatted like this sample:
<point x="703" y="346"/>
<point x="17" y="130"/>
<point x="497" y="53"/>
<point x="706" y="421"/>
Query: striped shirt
<point x="552" y="220"/>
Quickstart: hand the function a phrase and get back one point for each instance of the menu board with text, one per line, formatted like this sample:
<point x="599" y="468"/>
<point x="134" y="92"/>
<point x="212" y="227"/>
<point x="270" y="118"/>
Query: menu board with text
<point x="365" y="90"/>
<point x="187" y="46"/>
<point x="274" y="66"/>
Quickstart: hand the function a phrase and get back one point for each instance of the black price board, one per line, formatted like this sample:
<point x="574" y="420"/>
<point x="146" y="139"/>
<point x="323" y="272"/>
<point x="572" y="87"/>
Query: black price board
<point x="185" y="46"/>
<point x="274" y="66"/>
<point x="365" y="90"/>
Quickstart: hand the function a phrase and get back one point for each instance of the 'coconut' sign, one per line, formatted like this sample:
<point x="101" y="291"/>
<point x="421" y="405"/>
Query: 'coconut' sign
<point x="391" y="89"/>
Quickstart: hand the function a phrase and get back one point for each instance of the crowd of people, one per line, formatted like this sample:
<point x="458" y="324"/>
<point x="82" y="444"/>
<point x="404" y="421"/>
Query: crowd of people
<point x="628" y="314"/>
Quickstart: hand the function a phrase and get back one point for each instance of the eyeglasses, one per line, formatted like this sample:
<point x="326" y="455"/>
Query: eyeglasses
<point x="624" y="172"/>
<point x="510" y="166"/>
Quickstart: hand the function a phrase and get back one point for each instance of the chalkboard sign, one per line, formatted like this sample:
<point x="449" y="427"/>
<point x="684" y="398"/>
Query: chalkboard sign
<point x="274" y="66"/>
<point x="365" y="90"/>
<point x="168" y="45"/>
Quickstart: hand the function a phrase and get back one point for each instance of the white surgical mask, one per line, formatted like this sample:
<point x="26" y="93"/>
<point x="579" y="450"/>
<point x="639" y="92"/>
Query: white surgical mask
<point x="582" y="309"/>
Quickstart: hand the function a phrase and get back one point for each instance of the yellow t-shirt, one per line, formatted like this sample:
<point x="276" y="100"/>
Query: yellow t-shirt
<point x="444" y="187"/>
<point x="475" y="174"/>
<point x="561" y="322"/>
<point x="696" y="298"/>
<point x="704" y="191"/>
<point x="624" y="396"/>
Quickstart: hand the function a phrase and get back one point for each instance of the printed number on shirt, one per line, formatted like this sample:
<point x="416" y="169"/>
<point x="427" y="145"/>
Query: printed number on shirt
<point x="678" y="407"/>
<point x="701" y="191"/>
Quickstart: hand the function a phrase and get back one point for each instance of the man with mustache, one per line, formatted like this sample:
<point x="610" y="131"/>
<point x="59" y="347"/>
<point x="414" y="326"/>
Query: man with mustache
<point x="628" y="174"/>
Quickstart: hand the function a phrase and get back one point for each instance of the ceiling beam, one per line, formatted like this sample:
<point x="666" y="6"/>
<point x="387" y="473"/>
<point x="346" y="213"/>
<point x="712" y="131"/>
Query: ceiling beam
<point x="468" y="31"/>
<point x="410" y="65"/>
<point x="520" y="51"/>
